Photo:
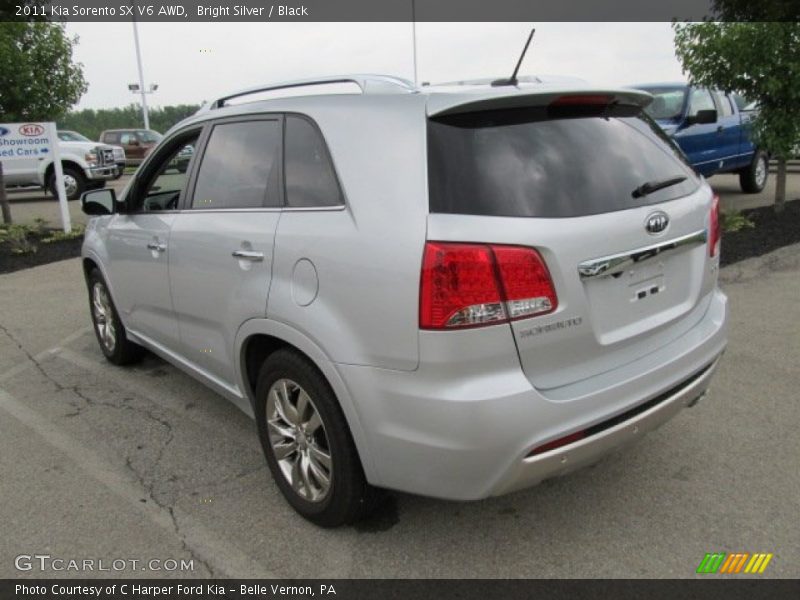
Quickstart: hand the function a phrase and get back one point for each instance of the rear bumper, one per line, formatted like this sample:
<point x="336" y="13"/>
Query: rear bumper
<point x="560" y="461"/>
<point x="462" y="426"/>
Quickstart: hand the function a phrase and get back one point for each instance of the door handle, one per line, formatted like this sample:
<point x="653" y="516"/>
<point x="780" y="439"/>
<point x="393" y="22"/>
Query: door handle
<point x="248" y="255"/>
<point x="157" y="247"/>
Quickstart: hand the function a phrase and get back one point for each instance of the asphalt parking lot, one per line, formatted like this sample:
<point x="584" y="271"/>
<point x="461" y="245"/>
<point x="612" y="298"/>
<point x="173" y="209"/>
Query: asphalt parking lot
<point x="101" y="462"/>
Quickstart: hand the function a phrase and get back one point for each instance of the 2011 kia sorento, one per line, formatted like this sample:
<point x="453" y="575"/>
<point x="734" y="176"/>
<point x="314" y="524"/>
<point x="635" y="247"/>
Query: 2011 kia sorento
<point x="450" y="291"/>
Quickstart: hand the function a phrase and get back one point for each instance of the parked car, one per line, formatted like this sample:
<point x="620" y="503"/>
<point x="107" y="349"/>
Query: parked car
<point x="449" y="292"/>
<point x="66" y="135"/>
<point x="137" y="143"/>
<point x="712" y="128"/>
<point x="86" y="165"/>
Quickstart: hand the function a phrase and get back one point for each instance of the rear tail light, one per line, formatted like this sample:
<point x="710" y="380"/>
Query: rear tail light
<point x="470" y="285"/>
<point x="714" y="228"/>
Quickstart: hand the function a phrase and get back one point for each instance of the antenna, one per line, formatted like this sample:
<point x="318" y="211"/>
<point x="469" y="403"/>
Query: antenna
<point x="414" y="37"/>
<point x="513" y="79"/>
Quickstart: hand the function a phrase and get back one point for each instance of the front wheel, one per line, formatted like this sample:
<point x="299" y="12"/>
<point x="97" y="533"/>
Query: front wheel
<point x="74" y="183"/>
<point x="307" y="443"/>
<point x="108" y="327"/>
<point x="753" y="178"/>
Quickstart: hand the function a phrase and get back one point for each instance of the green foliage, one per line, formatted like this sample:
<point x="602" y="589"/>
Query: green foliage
<point x="40" y="80"/>
<point x="759" y="60"/>
<point x="735" y="221"/>
<point x="16" y="236"/>
<point x="92" y="123"/>
<point x="59" y="235"/>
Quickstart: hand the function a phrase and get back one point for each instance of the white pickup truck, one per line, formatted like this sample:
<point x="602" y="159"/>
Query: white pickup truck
<point x="86" y="164"/>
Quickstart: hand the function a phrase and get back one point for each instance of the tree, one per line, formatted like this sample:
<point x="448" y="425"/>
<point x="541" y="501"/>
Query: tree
<point x="40" y="80"/>
<point x="761" y="61"/>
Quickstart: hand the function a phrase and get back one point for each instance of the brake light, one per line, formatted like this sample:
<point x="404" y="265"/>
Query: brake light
<point x="470" y="285"/>
<point x="583" y="100"/>
<point x="714" y="228"/>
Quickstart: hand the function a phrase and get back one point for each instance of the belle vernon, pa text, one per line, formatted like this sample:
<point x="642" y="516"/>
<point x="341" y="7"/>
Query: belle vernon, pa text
<point x="207" y="590"/>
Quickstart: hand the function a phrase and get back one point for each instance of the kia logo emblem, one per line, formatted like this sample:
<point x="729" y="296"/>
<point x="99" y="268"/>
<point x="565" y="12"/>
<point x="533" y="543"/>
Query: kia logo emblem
<point x="31" y="130"/>
<point x="656" y="222"/>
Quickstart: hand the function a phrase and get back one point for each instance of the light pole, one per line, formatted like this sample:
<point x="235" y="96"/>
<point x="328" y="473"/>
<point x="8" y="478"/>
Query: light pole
<point x="140" y="87"/>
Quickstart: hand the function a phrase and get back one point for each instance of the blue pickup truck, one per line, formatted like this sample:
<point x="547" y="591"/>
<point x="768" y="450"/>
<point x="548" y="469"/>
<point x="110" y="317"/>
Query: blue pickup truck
<point x="712" y="129"/>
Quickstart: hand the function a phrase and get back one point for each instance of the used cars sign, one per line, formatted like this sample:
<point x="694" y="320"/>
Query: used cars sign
<point x="26" y="140"/>
<point x="19" y="141"/>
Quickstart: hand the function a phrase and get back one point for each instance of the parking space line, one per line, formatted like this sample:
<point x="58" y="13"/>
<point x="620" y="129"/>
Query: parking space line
<point x="225" y="559"/>
<point x="28" y="363"/>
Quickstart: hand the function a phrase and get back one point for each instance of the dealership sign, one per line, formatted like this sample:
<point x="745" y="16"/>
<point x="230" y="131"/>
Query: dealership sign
<point x="26" y="140"/>
<point x="39" y="141"/>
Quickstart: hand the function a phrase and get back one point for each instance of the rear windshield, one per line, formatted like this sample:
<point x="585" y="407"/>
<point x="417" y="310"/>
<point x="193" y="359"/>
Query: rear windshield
<point x="538" y="163"/>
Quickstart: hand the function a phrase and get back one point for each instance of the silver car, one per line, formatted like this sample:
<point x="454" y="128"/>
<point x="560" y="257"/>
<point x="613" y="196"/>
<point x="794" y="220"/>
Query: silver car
<point x="450" y="291"/>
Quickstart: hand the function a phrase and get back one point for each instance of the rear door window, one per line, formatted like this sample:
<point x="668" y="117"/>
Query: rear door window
<point x="240" y="166"/>
<point x="530" y="163"/>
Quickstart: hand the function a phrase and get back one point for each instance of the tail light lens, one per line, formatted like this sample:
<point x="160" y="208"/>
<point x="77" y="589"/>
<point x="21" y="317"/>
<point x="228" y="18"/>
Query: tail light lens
<point x="470" y="285"/>
<point x="714" y="228"/>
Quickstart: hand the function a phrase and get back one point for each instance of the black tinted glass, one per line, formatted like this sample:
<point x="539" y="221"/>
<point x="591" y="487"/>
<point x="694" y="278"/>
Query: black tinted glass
<point x="240" y="166"/>
<point x="526" y="163"/>
<point x="310" y="178"/>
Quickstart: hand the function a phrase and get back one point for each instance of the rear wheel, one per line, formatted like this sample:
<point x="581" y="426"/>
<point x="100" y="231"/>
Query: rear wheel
<point x="307" y="443"/>
<point x="108" y="327"/>
<point x="753" y="178"/>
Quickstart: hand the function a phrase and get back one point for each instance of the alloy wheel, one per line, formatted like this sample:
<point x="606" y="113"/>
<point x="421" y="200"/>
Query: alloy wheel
<point x="103" y="316"/>
<point x="298" y="440"/>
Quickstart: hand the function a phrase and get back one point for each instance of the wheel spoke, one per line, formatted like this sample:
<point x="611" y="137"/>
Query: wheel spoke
<point x="284" y="449"/>
<point x="296" y="478"/>
<point x="319" y="474"/>
<point x="302" y="406"/>
<point x="313" y="422"/>
<point x="279" y="408"/>
<point x="283" y="432"/>
<point x="289" y="410"/>
<point x="320" y="456"/>
<point x="304" y="471"/>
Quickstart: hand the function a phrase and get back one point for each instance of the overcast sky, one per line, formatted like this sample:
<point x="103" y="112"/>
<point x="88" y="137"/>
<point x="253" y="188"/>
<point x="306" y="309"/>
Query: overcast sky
<point x="192" y="62"/>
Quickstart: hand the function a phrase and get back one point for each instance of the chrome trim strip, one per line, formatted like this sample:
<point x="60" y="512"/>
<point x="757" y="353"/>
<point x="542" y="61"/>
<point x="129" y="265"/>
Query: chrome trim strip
<point x="616" y="263"/>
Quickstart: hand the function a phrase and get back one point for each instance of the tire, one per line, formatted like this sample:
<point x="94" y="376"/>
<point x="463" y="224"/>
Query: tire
<point x="70" y="175"/>
<point x="108" y="327"/>
<point x="118" y="172"/>
<point x="348" y="497"/>
<point x="753" y="178"/>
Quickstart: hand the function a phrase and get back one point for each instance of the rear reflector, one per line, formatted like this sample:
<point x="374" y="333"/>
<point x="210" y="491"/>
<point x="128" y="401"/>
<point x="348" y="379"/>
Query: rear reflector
<point x="567" y="439"/>
<point x="470" y="285"/>
<point x="714" y="228"/>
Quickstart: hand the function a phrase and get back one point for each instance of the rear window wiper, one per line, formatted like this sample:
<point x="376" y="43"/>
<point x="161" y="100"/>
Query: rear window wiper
<point x="654" y="186"/>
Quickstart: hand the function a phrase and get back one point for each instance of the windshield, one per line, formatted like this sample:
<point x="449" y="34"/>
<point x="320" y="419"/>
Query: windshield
<point x="667" y="102"/>
<point x="149" y="137"/>
<point x="71" y="136"/>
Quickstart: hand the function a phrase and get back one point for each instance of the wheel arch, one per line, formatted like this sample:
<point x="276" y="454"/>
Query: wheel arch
<point x="64" y="164"/>
<point x="258" y="338"/>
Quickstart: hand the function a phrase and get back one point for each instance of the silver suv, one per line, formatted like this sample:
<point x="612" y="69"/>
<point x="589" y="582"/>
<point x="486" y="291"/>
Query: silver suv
<point x="449" y="291"/>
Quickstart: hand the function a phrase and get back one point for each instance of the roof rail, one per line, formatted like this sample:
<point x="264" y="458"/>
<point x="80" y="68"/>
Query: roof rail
<point x="368" y="84"/>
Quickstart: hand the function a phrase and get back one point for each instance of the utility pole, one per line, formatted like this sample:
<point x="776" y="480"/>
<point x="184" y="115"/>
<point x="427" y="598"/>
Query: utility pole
<point x="141" y="71"/>
<point x="414" y="37"/>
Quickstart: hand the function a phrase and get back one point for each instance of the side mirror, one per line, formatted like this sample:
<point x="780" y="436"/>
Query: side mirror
<point x="703" y="117"/>
<point x="99" y="202"/>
